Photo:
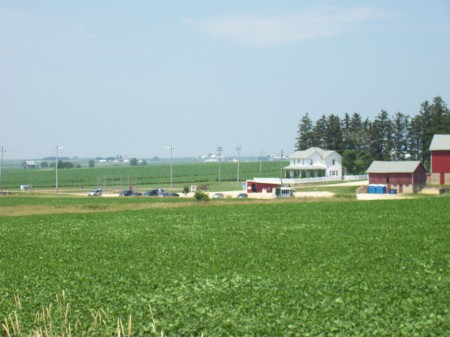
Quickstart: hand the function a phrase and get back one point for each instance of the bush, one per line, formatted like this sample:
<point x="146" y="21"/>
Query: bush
<point x="186" y="190"/>
<point x="201" y="196"/>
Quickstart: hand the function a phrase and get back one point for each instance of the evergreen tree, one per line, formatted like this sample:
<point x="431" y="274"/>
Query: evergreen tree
<point x="414" y="138"/>
<point x="380" y="145"/>
<point x="423" y="131"/>
<point x="432" y="119"/>
<point x="400" y="126"/>
<point x="440" y="116"/>
<point x="347" y="136"/>
<point x="304" y="134"/>
<point x="333" y="138"/>
<point x="319" y="132"/>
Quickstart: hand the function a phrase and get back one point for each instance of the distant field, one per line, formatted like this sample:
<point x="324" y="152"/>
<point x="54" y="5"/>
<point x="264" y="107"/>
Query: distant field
<point x="379" y="268"/>
<point x="120" y="177"/>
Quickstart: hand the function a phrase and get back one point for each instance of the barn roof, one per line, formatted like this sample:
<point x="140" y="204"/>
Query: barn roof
<point x="393" y="166"/>
<point x="440" y="143"/>
<point x="309" y="152"/>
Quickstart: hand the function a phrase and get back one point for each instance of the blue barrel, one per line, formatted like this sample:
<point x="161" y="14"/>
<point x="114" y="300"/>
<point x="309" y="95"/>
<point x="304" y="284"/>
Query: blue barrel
<point x="393" y="191"/>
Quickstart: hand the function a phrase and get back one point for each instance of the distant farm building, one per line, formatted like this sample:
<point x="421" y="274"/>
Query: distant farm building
<point x="314" y="162"/>
<point x="262" y="185"/>
<point x="29" y="164"/>
<point x="440" y="159"/>
<point x="402" y="176"/>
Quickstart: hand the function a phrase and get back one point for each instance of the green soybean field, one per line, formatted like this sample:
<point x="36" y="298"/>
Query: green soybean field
<point x="342" y="268"/>
<point x="123" y="176"/>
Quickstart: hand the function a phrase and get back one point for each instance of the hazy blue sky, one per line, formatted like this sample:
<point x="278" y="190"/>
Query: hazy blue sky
<point x="102" y="78"/>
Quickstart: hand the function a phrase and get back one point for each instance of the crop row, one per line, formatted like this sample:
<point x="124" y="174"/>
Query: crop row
<point x="137" y="175"/>
<point x="339" y="268"/>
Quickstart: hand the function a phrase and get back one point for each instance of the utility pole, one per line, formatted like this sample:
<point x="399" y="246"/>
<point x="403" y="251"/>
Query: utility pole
<point x="261" y="154"/>
<point x="238" y="149"/>
<point x="171" y="148"/>
<point x="56" y="166"/>
<point x="2" y="151"/>
<point x="219" y="150"/>
<point x="281" y="167"/>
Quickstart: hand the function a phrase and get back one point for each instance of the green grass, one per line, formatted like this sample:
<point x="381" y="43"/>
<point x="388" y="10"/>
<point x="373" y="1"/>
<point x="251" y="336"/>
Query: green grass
<point x="376" y="268"/>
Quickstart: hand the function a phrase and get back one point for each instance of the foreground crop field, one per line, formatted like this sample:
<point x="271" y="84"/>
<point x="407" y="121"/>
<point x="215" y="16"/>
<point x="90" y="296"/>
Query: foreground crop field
<point x="378" y="268"/>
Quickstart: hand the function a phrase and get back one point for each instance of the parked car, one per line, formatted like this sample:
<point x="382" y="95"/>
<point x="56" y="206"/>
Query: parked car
<point x="154" y="192"/>
<point x="242" y="195"/>
<point x="130" y="193"/>
<point x="95" y="192"/>
<point x="218" y="196"/>
<point x="168" y="194"/>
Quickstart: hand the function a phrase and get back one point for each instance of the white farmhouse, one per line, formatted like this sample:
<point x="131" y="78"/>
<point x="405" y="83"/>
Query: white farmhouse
<point x="314" y="162"/>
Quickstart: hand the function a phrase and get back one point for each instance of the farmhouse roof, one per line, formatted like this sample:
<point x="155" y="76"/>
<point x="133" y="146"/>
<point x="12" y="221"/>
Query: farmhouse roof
<point x="29" y="162"/>
<point x="309" y="167"/>
<point x="440" y="143"/>
<point x="309" y="152"/>
<point x="393" y="166"/>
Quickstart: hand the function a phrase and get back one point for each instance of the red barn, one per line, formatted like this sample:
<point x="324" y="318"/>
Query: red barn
<point x="404" y="176"/>
<point x="440" y="159"/>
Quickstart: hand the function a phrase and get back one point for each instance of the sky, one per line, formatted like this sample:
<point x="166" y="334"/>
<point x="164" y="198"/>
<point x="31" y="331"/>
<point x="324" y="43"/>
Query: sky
<point x="105" y="78"/>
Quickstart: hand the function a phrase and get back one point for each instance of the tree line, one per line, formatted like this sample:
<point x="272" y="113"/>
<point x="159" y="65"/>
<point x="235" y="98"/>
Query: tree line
<point x="360" y="141"/>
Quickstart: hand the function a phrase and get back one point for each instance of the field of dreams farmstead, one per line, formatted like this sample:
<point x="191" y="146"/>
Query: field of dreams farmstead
<point x="377" y="268"/>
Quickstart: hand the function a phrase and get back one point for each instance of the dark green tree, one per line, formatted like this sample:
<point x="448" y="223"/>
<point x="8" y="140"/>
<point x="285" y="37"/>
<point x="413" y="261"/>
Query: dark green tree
<point x="68" y="165"/>
<point x="400" y="126"/>
<point x="304" y="133"/>
<point x="432" y="119"/>
<point x="440" y="117"/>
<point x="133" y="162"/>
<point x="380" y="137"/>
<point x="414" y="138"/>
<point x="91" y="163"/>
<point x="347" y="132"/>
<point x="356" y="161"/>
<point x="319" y="132"/>
<point x="333" y="138"/>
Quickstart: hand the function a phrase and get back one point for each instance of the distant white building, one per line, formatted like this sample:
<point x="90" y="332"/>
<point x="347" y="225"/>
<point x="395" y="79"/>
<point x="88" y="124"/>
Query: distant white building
<point x="29" y="164"/>
<point x="314" y="162"/>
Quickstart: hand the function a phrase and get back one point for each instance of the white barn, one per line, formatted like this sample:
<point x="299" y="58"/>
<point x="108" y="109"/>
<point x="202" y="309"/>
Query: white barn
<point x="314" y="162"/>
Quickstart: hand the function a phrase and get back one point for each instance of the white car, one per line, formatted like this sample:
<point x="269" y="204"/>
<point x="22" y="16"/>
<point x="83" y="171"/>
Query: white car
<point x="95" y="192"/>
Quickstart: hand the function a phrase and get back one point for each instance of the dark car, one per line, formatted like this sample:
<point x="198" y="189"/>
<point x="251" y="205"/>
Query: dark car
<point x="242" y="195"/>
<point x="168" y="194"/>
<point x="129" y="193"/>
<point x="154" y="192"/>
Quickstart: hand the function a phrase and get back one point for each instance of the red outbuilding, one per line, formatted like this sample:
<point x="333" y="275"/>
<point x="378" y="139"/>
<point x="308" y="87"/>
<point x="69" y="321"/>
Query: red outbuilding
<point x="262" y="185"/>
<point x="402" y="176"/>
<point x="440" y="159"/>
